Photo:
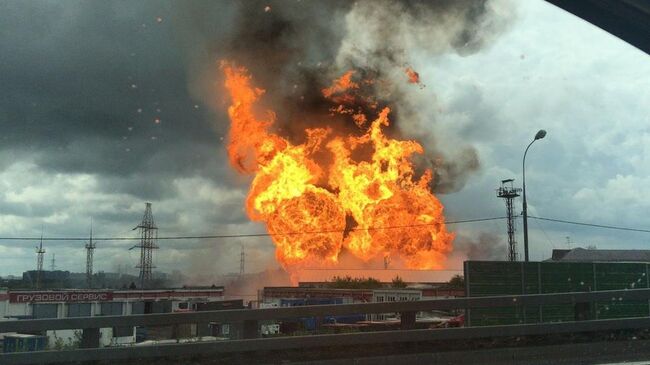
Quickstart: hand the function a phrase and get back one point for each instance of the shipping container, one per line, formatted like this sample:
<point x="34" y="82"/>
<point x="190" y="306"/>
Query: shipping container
<point x="22" y="343"/>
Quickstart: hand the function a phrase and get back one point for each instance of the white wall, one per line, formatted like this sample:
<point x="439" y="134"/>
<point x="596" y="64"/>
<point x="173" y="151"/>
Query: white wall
<point x="15" y="309"/>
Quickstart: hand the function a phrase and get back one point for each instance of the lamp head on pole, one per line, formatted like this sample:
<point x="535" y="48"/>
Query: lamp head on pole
<point x="540" y="134"/>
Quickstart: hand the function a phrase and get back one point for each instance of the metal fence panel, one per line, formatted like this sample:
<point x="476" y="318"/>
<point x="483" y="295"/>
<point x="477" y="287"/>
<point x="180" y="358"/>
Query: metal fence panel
<point x="508" y="278"/>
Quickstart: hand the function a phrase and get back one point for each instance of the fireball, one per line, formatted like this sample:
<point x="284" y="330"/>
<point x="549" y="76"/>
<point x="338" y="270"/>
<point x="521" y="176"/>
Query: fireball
<point x="372" y="207"/>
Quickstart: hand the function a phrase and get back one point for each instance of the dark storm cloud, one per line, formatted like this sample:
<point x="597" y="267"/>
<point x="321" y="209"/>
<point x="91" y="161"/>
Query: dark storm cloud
<point x="101" y="88"/>
<point x="33" y="210"/>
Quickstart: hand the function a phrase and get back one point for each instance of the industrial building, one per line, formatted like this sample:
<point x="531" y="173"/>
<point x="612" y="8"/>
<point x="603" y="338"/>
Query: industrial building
<point x="306" y="295"/>
<point x="36" y="304"/>
<point x="580" y="254"/>
<point x="273" y="296"/>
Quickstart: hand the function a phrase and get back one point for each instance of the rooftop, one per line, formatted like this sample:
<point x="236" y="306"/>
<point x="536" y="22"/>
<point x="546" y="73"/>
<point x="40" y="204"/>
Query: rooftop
<point x="595" y="255"/>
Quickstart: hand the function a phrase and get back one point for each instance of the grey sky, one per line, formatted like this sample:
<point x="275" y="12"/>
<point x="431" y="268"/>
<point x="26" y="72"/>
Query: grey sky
<point x="83" y="83"/>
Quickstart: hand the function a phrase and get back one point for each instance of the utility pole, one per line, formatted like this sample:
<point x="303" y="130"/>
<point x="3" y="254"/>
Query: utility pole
<point x="148" y="236"/>
<point x="40" y="252"/>
<point x="508" y="192"/>
<point x="52" y="264"/>
<point x="242" y="262"/>
<point x="90" y="248"/>
<point x="539" y="135"/>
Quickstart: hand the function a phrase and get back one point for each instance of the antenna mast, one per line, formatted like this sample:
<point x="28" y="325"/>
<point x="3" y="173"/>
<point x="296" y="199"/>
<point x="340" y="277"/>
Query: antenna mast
<point x="90" y="248"/>
<point x="40" y="252"/>
<point x="508" y="192"/>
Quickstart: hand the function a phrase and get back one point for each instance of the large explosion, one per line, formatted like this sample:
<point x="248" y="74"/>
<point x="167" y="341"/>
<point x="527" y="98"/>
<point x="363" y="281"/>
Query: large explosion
<point x="350" y="188"/>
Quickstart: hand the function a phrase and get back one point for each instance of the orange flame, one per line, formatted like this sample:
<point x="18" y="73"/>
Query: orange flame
<point x="414" y="77"/>
<point x="308" y="206"/>
<point x="340" y="85"/>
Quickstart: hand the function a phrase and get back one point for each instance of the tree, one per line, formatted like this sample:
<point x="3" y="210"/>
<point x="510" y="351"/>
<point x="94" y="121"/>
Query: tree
<point x="398" y="282"/>
<point x="457" y="282"/>
<point x="349" y="282"/>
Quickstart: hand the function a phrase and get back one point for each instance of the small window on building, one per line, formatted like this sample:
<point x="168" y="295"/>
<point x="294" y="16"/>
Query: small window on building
<point x="162" y="306"/>
<point x="45" y="310"/>
<point x="380" y="298"/>
<point x="137" y="308"/>
<point x="123" y="331"/>
<point x="111" y="309"/>
<point x="79" y="309"/>
<point x="225" y="329"/>
<point x="183" y="305"/>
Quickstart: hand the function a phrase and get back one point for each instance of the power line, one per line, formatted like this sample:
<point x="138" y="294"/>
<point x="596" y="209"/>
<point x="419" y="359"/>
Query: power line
<point x="592" y="225"/>
<point x="545" y="235"/>
<point x="249" y="235"/>
<point x="246" y="235"/>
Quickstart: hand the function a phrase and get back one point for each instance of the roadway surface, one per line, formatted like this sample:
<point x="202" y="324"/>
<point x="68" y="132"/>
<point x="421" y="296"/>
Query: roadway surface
<point x="623" y="352"/>
<point x="635" y="352"/>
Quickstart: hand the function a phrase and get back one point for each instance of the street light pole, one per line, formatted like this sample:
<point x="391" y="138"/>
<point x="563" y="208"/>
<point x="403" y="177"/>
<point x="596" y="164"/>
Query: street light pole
<point x="540" y="134"/>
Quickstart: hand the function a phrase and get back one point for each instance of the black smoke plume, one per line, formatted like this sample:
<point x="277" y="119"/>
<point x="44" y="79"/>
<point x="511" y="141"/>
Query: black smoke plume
<point x="295" y="49"/>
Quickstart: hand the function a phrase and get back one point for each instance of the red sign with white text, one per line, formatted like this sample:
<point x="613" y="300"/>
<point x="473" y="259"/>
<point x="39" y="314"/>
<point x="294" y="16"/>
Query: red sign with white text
<point x="59" y="296"/>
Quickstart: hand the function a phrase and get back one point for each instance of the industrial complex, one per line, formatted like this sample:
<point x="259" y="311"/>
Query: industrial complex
<point x="50" y="304"/>
<point x="57" y="294"/>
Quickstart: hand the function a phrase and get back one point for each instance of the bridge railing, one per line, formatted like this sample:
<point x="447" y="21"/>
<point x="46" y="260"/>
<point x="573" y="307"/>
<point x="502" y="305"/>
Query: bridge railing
<point x="250" y="319"/>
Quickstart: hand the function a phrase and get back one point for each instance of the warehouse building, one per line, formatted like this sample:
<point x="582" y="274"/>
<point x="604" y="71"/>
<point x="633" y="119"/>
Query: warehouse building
<point x="307" y="295"/>
<point x="580" y="254"/>
<point x="35" y="304"/>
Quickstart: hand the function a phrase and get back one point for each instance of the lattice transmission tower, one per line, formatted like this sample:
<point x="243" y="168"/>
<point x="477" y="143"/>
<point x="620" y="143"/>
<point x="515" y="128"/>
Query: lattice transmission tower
<point x="148" y="237"/>
<point x="508" y="192"/>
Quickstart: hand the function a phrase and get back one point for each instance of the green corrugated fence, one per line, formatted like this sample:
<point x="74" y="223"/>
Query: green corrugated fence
<point x="487" y="278"/>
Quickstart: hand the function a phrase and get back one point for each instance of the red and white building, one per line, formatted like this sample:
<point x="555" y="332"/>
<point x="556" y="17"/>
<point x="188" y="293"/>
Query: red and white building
<point x="65" y="303"/>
